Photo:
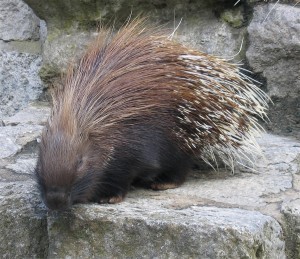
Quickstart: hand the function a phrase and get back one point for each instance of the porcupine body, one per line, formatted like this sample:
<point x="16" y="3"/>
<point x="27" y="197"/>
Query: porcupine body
<point x="136" y="108"/>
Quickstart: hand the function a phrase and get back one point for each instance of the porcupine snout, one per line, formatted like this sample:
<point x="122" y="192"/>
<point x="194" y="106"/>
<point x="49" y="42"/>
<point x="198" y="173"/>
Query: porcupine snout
<point x="57" y="199"/>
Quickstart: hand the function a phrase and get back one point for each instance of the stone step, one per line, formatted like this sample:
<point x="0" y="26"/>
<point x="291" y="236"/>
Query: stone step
<point x="141" y="227"/>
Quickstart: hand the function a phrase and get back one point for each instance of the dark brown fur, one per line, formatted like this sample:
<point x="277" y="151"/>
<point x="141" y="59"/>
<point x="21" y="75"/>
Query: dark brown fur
<point x="130" y="112"/>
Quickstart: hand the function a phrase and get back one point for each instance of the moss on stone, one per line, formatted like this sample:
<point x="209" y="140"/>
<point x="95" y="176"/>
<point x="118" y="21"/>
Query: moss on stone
<point x="234" y="17"/>
<point x="48" y="72"/>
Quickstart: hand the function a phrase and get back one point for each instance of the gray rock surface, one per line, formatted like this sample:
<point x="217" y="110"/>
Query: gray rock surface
<point x="34" y="113"/>
<point x="274" y="51"/>
<point x="14" y="139"/>
<point x="23" y="223"/>
<point x="141" y="227"/>
<point x="19" y="81"/>
<point x="16" y="14"/>
<point x="291" y="211"/>
<point x="61" y="49"/>
<point x="205" y="25"/>
<point x="211" y="35"/>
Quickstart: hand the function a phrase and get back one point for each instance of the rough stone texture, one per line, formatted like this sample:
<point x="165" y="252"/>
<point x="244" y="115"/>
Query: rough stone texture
<point x="31" y="47"/>
<point x="291" y="211"/>
<point x="23" y="223"/>
<point x="274" y="51"/>
<point x="23" y="165"/>
<point x="274" y="47"/>
<point x="18" y="140"/>
<point x="16" y="14"/>
<point x="19" y="81"/>
<point x="142" y="228"/>
<point x="61" y="49"/>
<point x="207" y="34"/>
<point x="205" y="25"/>
<point x="212" y="35"/>
<point x="34" y="113"/>
<point x="15" y="138"/>
<point x="18" y="144"/>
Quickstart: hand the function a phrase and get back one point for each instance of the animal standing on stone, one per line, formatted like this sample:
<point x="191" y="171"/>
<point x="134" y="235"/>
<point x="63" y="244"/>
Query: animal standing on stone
<point x="136" y="109"/>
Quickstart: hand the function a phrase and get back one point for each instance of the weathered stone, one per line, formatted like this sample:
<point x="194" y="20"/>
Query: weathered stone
<point x="274" y="51"/>
<point x="14" y="139"/>
<point x="35" y="113"/>
<point x="291" y="211"/>
<point x="246" y="189"/>
<point x="140" y="228"/>
<point x="211" y="35"/>
<point x="8" y="146"/>
<point x="89" y="13"/>
<point x="234" y="17"/>
<point x="16" y="14"/>
<point x="253" y="2"/>
<point x="71" y="26"/>
<point x="23" y="165"/>
<point x="31" y="47"/>
<point x="19" y="81"/>
<point x="23" y="224"/>
<point x="60" y="49"/>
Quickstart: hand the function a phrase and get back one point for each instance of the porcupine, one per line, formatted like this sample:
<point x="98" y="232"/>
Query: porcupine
<point x="137" y="108"/>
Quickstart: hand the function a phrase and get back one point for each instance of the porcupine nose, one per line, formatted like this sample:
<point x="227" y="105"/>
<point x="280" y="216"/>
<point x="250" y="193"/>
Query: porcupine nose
<point x="57" y="199"/>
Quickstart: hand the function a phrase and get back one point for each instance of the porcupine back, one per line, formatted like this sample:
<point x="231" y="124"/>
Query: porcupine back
<point x="207" y="106"/>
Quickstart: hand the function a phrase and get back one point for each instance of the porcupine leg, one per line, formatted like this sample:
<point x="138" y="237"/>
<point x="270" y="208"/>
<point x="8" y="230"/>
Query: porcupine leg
<point x="154" y="162"/>
<point x="161" y="178"/>
<point x="127" y="162"/>
<point x="115" y="182"/>
<point x="173" y="176"/>
<point x="165" y="165"/>
<point x="169" y="173"/>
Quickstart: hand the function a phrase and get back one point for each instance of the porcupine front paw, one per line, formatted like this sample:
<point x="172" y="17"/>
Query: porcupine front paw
<point x="163" y="186"/>
<point x="111" y="200"/>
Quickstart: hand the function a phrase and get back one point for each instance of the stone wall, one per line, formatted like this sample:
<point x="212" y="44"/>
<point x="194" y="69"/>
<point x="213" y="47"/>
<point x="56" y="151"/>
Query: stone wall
<point x="263" y="36"/>
<point x="20" y="55"/>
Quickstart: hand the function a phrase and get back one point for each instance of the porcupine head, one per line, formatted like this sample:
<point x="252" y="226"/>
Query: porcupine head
<point x="63" y="171"/>
<point x="69" y="162"/>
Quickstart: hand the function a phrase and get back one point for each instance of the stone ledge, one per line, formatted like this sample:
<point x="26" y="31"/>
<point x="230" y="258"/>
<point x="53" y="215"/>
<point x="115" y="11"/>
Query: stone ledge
<point x="142" y="228"/>
<point x="23" y="222"/>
